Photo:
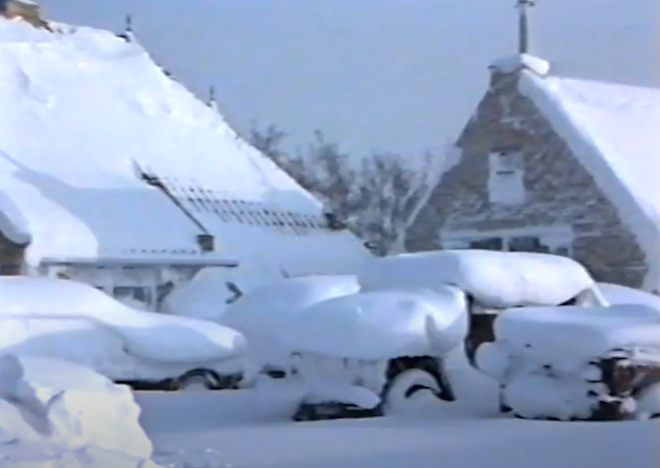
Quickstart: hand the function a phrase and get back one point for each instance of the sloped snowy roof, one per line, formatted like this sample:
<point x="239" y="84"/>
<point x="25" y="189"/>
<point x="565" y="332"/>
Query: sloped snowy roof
<point x="82" y="109"/>
<point x="614" y="131"/>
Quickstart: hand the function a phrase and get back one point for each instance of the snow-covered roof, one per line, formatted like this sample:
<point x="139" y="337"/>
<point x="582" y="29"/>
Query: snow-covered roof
<point x="614" y="131"/>
<point x="84" y="112"/>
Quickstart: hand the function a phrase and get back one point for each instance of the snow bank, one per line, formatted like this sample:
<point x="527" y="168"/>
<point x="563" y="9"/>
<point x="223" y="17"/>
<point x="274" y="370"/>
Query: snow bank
<point x="381" y="325"/>
<point x="209" y="292"/>
<point x="512" y="63"/>
<point x="579" y="333"/>
<point x="73" y="320"/>
<point x="260" y="314"/>
<point x="495" y="279"/>
<point x="57" y="414"/>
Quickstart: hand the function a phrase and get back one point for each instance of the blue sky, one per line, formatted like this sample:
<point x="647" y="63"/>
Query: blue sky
<point x="402" y="75"/>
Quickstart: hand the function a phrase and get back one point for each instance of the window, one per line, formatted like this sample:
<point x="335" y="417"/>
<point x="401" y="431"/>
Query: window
<point x="505" y="178"/>
<point x="494" y="243"/>
<point x="527" y="244"/>
<point x="556" y="240"/>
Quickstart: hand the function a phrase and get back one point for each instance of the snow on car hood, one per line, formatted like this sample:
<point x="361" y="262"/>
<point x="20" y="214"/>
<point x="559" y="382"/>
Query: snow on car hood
<point x="262" y="310"/>
<point x="579" y="333"/>
<point x="380" y="325"/>
<point x="496" y="279"/>
<point x="152" y="336"/>
<point x="618" y="294"/>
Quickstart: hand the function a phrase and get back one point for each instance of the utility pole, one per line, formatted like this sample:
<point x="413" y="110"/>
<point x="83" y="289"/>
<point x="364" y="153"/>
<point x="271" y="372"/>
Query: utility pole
<point x="523" y="7"/>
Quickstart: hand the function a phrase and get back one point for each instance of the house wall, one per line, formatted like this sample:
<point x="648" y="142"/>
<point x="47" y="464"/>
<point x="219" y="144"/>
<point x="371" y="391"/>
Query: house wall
<point x="559" y="191"/>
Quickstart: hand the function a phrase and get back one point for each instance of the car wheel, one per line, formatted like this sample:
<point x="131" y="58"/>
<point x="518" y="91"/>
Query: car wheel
<point x="408" y="390"/>
<point x="198" y="379"/>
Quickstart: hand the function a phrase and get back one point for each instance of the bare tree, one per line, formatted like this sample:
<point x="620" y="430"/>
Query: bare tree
<point x="378" y="196"/>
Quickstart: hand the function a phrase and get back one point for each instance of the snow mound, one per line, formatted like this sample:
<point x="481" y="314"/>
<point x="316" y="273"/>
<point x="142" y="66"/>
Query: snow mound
<point x="58" y="414"/>
<point x="579" y="333"/>
<point x="517" y="62"/>
<point x="381" y="325"/>
<point x="59" y="305"/>
<point x="209" y="292"/>
<point x="495" y="279"/>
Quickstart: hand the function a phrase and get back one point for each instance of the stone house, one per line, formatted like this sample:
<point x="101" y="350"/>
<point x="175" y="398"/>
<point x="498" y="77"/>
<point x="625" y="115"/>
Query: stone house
<point x="558" y="165"/>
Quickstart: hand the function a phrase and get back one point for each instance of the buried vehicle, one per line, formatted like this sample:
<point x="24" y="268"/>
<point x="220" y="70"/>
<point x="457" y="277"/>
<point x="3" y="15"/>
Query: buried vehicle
<point x="369" y="354"/>
<point x="72" y="321"/>
<point x="576" y="363"/>
<point x="260" y="313"/>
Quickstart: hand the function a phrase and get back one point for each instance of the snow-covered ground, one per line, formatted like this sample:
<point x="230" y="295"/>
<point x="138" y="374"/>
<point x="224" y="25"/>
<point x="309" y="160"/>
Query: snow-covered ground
<point x="250" y="429"/>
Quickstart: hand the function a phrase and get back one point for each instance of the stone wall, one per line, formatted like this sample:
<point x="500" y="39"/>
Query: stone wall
<point x="559" y="190"/>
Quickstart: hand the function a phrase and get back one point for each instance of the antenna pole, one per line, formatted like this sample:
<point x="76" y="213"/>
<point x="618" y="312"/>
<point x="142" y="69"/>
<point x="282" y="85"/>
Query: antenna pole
<point x="523" y="24"/>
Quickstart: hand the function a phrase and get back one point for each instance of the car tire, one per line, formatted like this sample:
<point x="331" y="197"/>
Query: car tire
<point x="407" y="387"/>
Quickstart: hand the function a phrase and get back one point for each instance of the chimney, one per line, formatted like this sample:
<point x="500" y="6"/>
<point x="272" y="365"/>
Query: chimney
<point x="27" y="10"/>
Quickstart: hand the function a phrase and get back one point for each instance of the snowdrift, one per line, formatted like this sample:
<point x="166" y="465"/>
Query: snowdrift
<point x="380" y="325"/>
<point x="495" y="279"/>
<point x="74" y="321"/>
<point x="58" y="414"/>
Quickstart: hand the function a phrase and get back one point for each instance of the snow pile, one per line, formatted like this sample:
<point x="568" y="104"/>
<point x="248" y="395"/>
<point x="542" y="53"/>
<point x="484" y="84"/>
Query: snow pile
<point x="381" y="325"/>
<point x="517" y="62"/>
<point x="87" y="115"/>
<point x="74" y="321"/>
<point x="495" y="279"/>
<point x="262" y="313"/>
<point x="612" y="129"/>
<point x="545" y="357"/>
<point x="57" y="414"/>
<point x="209" y="292"/>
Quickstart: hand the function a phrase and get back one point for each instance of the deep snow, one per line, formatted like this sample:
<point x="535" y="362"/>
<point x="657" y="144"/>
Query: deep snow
<point x="248" y="429"/>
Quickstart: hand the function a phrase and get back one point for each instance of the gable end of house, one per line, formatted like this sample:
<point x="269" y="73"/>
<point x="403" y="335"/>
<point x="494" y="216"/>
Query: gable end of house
<point x="518" y="186"/>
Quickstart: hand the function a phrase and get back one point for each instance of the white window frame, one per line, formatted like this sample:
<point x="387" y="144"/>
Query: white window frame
<point x="554" y="237"/>
<point x="506" y="185"/>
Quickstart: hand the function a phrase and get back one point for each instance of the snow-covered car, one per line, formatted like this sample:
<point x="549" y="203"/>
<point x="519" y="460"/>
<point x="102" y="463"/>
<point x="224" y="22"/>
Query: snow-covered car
<point x="75" y="322"/>
<point x="56" y="413"/>
<point x="260" y="313"/>
<point x="576" y="363"/>
<point x="366" y="354"/>
<point x="492" y="282"/>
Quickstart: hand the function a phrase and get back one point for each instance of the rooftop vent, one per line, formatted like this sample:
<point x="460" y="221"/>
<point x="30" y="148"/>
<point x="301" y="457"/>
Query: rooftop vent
<point x="27" y="10"/>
